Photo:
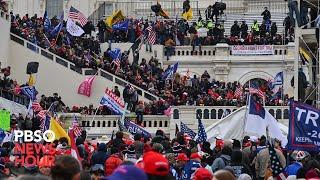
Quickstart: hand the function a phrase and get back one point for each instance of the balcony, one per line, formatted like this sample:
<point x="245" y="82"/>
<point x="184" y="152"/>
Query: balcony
<point x="225" y="53"/>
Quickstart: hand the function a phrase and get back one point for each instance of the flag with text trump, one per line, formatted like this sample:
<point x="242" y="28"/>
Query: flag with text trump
<point x="304" y="133"/>
<point x="113" y="102"/>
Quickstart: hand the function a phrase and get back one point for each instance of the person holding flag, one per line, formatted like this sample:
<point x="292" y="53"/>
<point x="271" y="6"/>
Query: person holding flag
<point x="116" y="56"/>
<point x="187" y="11"/>
<point x="170" y="71"/>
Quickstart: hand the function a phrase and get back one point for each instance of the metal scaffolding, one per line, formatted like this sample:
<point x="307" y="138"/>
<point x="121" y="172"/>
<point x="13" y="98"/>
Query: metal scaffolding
<point x="299" y="32"/>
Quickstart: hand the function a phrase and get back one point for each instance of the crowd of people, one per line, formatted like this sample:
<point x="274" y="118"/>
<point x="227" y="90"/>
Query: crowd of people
<point x="159" y="157"/>
<point x="85" y="52"/>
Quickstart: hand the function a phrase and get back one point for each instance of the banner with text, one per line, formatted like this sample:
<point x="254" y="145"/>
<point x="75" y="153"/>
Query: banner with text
<point x="304" y="133"/>
<point x="135" y="129"/>
<point x="252" y="50"/>
<point x="113" y="102"/>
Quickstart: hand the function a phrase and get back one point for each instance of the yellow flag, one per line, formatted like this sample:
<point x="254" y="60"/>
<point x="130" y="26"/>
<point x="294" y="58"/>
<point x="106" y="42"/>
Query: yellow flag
<point x="117" y="16"/>
<point x="188" y="15"/>
<point x="305" y="54"/>
<point x="31" y="81"/>
<point x="58" y="131"/>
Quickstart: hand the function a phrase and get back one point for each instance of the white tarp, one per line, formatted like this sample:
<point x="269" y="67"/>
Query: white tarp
<point x="13" y="107"/>
<point x="232" y="127"/>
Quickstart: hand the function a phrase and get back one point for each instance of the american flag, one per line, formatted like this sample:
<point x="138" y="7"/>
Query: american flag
<point x="76" y="15"/>
<point x="254" y="89"/>
<point x="152" y="35"/>
<point x="238" y="92"/>
<point x="36" y="106"/>
<point x="45" y="123"/>
<point x="185" y="129"/>
<point x="277" y="169"/>
<point x="202" y="135"/>
<point x="76" y="127"/>
<point x="42" y="114"/>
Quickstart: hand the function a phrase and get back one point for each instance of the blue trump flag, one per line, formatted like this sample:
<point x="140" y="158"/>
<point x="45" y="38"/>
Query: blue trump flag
<point x="46" y="22"/>
<point x="122" y="26"/>
<point x="170" y="71"/>
<point x="58" y="28"/>
<point x="116" y="53"/>
<point x="304" y="132"/>
<point x="277" y="81"/>
<point x="116" y="56"/>
<point x="30" y="92"/>
<point x="135" y="129"/>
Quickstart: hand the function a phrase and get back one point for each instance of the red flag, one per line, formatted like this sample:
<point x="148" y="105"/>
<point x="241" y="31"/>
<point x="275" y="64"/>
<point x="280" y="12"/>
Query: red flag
<point x="85" y="86"/>
<point x="74" y="149"/>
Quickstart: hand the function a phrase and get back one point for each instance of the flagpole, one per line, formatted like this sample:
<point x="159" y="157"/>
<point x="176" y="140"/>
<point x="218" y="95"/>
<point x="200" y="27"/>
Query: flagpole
<point x="95" y="114"/>
<point x="58" y="33"/>
<point x="245" y="116"/>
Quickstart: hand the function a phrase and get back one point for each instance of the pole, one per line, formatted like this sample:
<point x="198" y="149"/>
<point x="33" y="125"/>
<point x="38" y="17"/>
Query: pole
<point x="296" y="61"/>
<point x="245" y="116"/>
<point x="318" y="72"/>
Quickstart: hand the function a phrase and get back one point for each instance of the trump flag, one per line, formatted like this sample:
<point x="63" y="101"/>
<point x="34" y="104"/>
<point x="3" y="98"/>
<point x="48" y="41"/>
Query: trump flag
<point x="85" y="86"/>
<point x="304" y="132"/>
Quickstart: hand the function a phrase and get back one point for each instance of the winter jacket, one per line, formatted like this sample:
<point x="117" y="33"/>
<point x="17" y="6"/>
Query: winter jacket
<point x="111" y="164"/>
<point x="240" y="168"/>
<point x="221" y="162"/>
<point x="263" y="159"/>
<point x="100" y="156"/>
<point x="293" y="168"/>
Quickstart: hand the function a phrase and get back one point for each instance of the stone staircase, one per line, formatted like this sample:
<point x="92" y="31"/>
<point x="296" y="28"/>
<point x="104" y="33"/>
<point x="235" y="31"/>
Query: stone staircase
<point x="249" y="18"/>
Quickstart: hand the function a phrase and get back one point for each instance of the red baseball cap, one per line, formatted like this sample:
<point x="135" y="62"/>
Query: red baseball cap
<point x="202" y="174"/>
<point x="195" y="156"/>
<point x="155" y="164"/>
<point x="219" y="143"/>
<point x="182" y="157"/>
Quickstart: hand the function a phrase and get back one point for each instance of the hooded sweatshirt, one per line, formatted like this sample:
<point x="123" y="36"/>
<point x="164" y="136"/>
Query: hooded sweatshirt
<point x="100" y="156"/>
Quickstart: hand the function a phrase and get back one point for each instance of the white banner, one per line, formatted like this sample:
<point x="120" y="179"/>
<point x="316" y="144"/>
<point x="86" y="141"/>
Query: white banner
<point x="202" y="32"/>
<point x="252" y="50"/>
<point x="74" y="29"/>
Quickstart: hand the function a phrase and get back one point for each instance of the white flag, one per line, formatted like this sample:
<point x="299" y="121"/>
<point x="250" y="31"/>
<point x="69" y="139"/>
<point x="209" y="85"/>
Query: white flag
<point x="74" y="29"/>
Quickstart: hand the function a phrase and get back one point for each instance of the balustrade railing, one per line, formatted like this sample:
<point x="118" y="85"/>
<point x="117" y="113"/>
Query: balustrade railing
<point x="218" y="112"/>
<point x="17" y="98"/>
<point x="4" y="15"/>
<point x="102" y="125"/>
<point x="83" y="71"/>
<point x="213" y="50"/>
